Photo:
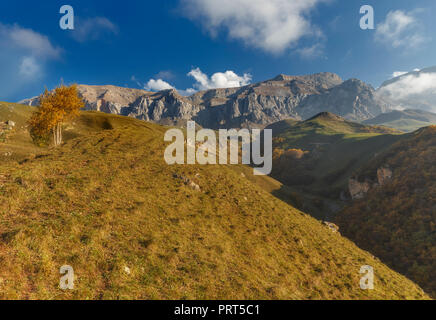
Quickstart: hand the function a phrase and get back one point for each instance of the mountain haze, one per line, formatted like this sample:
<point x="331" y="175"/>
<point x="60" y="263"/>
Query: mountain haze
<point x="413" y="90"/>
<point x="404" y="120"/>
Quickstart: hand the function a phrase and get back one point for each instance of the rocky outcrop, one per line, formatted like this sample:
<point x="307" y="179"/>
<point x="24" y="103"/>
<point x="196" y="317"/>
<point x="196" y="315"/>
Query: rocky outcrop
<point x="383" y="175"/>
<point x="353" y="100"/>
<point x="358" y="190"/>
<point x="255" y="105"/>
<point x="333" y="227"/>
<point x="10" y="123"/>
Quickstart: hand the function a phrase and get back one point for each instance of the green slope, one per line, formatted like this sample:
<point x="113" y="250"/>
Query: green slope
<point x="333" y="149"/>
<point x="107" y="204"/>
<point x="404" y="120"/>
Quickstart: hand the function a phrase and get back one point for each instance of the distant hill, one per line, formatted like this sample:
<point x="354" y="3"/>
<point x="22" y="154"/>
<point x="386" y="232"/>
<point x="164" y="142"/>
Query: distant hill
<point x="404" y="120"/>
<point x="396" y="221"/>
<point x="318" y="156"/>
<point x="254" y="105"/>
<point x="132" y="227"/>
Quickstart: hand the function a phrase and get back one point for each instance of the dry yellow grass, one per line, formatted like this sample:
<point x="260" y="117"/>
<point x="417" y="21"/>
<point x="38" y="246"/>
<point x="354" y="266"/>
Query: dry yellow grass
<point x="106" y="200"/>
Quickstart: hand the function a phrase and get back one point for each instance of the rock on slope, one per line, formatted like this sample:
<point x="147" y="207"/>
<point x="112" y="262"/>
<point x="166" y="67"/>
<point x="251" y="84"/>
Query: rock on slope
<point x="255" y="105"/>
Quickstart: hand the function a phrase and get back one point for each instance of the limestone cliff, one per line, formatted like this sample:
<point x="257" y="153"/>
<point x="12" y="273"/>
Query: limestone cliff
<point x="358" y="190"/>
<point x="255" y="105"/>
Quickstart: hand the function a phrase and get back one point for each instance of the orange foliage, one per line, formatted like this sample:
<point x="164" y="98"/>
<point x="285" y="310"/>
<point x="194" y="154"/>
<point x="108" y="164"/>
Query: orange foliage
<point x="55" y="108"/>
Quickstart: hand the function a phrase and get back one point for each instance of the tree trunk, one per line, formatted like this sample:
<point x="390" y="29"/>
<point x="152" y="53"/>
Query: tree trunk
<point x="60" y="133"/>
<point x="57" y="134"/>
<point x="54" y="137"/>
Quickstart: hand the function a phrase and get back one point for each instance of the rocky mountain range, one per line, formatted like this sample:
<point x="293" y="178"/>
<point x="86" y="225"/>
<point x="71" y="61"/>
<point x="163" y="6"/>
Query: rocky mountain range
<point x="254" y="105"/>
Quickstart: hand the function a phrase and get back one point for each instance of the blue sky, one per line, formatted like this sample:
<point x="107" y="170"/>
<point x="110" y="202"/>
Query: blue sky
<point x="129" y="43"/>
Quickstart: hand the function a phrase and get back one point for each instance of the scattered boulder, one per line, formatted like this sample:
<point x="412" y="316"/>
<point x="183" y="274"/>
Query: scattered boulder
<point x="188" y="182"/>
<point x="357" y="189"/>
<point x="194" y="186"/>
<point x="127" y="270"/>
<point x="10" y="123"/>
<point x="383" y="175"/>
<point x="333" y="227"/>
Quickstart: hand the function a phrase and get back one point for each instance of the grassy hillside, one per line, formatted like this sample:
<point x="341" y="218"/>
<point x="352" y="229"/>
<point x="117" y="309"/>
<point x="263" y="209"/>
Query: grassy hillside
<point x="20" y="143"/>
<point x="396" y="222"/>
<point x="107" y="204"/>
<point x="317" y="157"/>
<point x="404" y="120"/>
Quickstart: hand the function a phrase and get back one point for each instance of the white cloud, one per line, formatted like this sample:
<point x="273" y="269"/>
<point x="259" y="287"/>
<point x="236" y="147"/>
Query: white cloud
<point x="312" y="52"/>
<point x="157" y="85"/>
<point x="414" y="90"/>
<point x="29" y="67"/>
<point x="398" y="73"/>
<point x="228" y="79"/>
<point x="412" y="84"/>
<point x="26" y="39"/>
<point x="400" y="29"/>
<point x="165" y="75"/>
<point x="271" y="25"/>
<point x="24" y="54"/>
<point x="90" y="29"/>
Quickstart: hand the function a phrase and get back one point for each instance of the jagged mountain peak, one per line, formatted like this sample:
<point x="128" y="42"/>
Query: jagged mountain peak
<point x="255" y="105"/>
<point x="319" y="76"/>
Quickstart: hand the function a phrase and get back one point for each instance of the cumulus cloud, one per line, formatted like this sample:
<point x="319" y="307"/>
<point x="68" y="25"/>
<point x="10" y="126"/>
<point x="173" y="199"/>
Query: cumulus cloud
<point x="90" y="29"/>
<point x="28" y="40"/>
<point x="157" y="85"/>
<point x="400" y="29"/>
<point x="24" y="54"/>
<point x="271" y="25"/>
<point x="412" y="84"/>
<point x="413" y="90"/>
<point x="398" y="73"/>
<point x="228" y="79"/>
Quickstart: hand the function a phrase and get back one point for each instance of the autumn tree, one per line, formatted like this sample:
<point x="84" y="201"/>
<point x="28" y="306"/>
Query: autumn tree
<point x="55" y="108"/>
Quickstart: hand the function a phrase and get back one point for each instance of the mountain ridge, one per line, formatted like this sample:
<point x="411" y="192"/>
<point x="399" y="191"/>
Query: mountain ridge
<point x="407" y="120"/>
<point x="254" y="105"/>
